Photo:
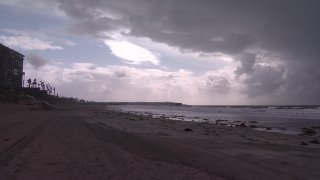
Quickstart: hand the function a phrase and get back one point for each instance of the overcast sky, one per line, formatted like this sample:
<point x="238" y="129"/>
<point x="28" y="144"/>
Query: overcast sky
<point x="189" y="51"/>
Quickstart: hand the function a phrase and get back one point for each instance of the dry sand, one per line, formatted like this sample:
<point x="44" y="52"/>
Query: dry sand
<point x="90" y="142"/>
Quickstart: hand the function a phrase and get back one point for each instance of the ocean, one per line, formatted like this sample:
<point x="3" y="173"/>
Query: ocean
<point x="283" y="119"/>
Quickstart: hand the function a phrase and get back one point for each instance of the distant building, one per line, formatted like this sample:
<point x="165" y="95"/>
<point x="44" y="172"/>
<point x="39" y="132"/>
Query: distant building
<point x="11" y="68"/>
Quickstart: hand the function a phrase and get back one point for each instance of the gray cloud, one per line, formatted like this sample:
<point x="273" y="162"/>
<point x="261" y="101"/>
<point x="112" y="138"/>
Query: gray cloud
<point x="209" y="25"/>
<point x="258" y="77"/>
<point x="302" y="83"/>
<point x="36" y="61"/>
<point x="218" y="85"/>
<point x="288" y="28"/>
<point x="120" y="74"/>
<point x="264" y="80"/>
<point x="247" y="62"/>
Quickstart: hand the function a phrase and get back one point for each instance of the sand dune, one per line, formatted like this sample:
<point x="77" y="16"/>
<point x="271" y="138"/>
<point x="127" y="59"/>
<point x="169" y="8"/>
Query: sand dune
<point x="90" y="142"/>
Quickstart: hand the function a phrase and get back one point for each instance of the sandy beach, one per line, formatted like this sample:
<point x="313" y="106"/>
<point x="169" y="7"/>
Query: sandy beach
<point x="91" y="142"/>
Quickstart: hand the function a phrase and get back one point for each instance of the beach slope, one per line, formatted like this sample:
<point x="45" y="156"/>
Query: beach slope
<point x="90" y="142"/>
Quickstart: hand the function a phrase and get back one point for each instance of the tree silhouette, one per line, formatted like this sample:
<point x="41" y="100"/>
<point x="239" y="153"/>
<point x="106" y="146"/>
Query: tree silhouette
<point x="34" y="84"/>
<point x="29" y="82"/>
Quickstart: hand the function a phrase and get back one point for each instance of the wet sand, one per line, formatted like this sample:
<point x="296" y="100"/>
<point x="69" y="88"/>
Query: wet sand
<point x="90" y="142"/>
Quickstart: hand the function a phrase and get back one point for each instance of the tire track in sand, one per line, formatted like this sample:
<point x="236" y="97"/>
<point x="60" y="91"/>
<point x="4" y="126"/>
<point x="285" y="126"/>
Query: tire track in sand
<point x="162" y="151"/>
<point x="9" y="153"/>
<point x="149" y="155"/>
<point x="6" y="129"/>
<point x="214" y="164"/>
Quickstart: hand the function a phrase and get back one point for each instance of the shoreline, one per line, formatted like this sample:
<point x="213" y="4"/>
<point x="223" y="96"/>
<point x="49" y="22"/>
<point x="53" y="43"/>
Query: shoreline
<point x="92" y="142"/>
<point x="233" y="118"/>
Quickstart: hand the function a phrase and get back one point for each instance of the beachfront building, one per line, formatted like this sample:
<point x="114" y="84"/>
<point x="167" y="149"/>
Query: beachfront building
<point x="11" y="68"/>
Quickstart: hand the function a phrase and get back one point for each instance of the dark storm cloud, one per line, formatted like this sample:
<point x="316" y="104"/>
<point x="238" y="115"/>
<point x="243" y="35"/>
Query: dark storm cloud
<point x="36" y="61"/>
<point x="93" y="17"/>
<point x="264" y="80"/>
<point x="302" y="83"/>
<point x="287" y="28"/>
<point x="260" y="79"/>
<point x="247" y="62"/>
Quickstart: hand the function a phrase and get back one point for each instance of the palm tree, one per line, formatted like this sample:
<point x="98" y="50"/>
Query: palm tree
<point x="29" y="82"/>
